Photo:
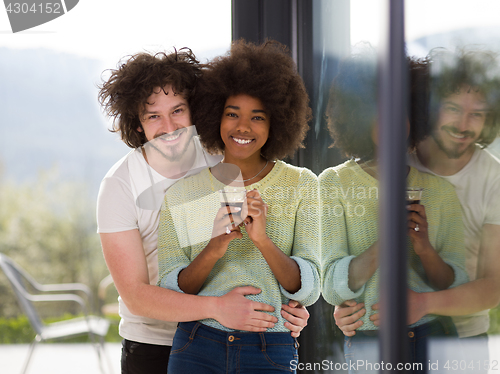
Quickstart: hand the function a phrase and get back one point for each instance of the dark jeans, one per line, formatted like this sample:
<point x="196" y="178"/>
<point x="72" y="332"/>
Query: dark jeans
<point x="142" y="358"/>
<point x="201" y="349"/>
<point x="362" y="351"/>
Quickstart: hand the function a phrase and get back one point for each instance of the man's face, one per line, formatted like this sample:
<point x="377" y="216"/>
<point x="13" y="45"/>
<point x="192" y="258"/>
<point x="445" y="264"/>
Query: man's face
<point x="460" y="122"/>
<point x="166" y="122"/>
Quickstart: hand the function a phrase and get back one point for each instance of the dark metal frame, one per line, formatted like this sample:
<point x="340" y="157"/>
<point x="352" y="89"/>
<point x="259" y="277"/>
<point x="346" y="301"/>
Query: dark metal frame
<point x="392" y="160"/>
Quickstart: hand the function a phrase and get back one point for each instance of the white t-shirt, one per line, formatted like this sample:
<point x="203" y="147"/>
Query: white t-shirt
<point x="130" y="198"/>
<point x="478" y="188"/>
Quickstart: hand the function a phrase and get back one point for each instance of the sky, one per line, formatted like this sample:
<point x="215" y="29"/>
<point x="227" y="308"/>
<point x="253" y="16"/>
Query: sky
<point x="110" y="29"/>
<point x="423" y="17"/>
<point x="105" y="31"/>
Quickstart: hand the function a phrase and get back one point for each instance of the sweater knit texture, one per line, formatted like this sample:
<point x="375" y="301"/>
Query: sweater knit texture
<point x="349" y="209"/>
<point x="186" y="223"/>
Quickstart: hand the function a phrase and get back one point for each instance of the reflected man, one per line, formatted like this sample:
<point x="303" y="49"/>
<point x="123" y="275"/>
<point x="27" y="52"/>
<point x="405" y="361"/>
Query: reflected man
<point x="350" y="219"/>
<point x="465" y="116"/>
<point x="465" y="98"/>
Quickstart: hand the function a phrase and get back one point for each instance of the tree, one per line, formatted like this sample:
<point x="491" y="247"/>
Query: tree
<point x="49" y="228"/>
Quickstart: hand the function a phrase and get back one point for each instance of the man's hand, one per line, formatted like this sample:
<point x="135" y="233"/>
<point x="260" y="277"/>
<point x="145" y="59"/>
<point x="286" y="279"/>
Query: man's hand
<point x="347" y="316"/>
<point x="237" y="312"/>
<point x="375" y="317"/>
<point x="417" y="306"/>
<point x="296" y="315"/>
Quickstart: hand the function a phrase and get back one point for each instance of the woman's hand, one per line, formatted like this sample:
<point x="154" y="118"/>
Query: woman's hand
<point x="191" y="278"/>
<point x="418" y="229"/>
<point x="255" y="222"/>
<point x="284" y="268"/>
<point x="224" y="230"/>
<point x="439" y="274"/>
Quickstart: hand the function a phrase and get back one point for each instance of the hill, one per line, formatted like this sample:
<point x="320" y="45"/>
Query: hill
<point x="50" y="116"/>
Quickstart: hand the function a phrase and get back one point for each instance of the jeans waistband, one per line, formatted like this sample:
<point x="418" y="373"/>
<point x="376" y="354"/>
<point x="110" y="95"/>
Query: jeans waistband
<point x="237" y="337"/>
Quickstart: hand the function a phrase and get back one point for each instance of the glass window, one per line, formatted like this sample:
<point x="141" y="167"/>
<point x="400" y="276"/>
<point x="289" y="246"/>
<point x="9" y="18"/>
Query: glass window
<point x="452" y="101"/>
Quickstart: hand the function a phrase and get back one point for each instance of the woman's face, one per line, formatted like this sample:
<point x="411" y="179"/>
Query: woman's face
<point x="244" y="127"/>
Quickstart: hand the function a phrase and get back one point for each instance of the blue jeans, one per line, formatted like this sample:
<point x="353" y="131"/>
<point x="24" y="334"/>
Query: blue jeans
<point x="362" y="351"/>
<point x="201" y="349"/>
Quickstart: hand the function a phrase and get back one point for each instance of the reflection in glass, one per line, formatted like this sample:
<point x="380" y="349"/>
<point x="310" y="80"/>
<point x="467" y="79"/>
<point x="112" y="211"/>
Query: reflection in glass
<point x="349" y="201"/>
<point x="445" y="24"/>
<point x="464" y="118"/>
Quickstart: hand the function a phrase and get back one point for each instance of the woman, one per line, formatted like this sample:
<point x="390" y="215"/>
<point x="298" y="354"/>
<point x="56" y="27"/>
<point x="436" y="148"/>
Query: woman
<point x="252" y="107"/>
<point x="349" y="198"/>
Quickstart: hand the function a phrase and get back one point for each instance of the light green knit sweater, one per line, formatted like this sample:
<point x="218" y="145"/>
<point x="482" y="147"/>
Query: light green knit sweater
<point x="349" y="205"/>
<point x="292" y="224"/>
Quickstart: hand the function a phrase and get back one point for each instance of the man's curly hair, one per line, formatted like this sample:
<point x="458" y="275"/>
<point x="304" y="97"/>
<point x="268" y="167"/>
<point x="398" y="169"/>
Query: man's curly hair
<point x="352" y="104"/>
<point x="124" y="95"/>
<point x="477" y="70"/>
<point x="266" y="72"/>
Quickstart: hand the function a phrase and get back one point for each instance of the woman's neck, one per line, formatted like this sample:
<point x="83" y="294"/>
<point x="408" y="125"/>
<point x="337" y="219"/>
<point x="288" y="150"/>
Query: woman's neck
<point x="371" y="167"/>
<point x="252" y="169"/>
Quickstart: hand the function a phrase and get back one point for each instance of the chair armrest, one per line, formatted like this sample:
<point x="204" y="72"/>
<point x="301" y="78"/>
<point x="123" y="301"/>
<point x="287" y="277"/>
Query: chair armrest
<point x="50" y="297"/>
<point x="59" y="297"/>
<point x="76" y="287"/>
<point x="103" y="285"/>
<point x="65" y="287"/>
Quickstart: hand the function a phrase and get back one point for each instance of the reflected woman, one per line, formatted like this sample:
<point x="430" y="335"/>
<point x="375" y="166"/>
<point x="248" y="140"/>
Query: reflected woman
<point x="349" y="206"/>
<point x="252" y="107"/>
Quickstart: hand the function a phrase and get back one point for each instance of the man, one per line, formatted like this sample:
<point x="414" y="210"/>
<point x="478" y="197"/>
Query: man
<point x="466" y="112"/>
<point x="148" y="96"/>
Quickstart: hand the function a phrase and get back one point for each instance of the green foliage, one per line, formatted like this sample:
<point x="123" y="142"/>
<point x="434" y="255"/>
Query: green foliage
<point x="49" y="228"/>
<point x="18" y="331"/>
<point x="494" y="321"/>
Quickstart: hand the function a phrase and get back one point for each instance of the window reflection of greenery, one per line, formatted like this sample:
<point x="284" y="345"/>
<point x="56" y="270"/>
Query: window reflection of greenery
<point x="48" y="227"/>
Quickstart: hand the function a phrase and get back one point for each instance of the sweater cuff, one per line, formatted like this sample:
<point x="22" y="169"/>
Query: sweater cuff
<point x="306" y="281"/>
<point x="341" y="280"/>
<point x="171" y="281"/>
<point x="461" y="275"/>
